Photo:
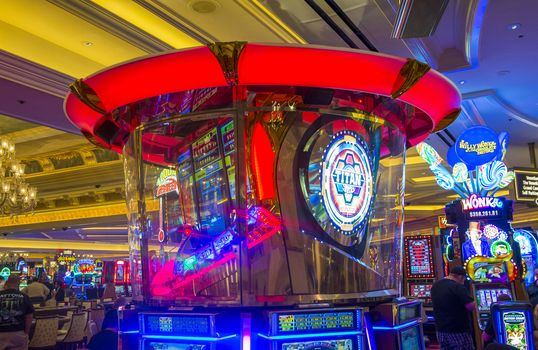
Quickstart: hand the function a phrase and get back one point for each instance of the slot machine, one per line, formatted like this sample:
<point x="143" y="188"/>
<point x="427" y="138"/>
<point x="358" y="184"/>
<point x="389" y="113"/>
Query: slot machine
<point x="419" y="266"/>
<point x="188" y="331"/>
<point x="283" y="196"/>
<point x="513" y="324"/>
<point x="398" y="325"/>
<point x="338" y="328"/>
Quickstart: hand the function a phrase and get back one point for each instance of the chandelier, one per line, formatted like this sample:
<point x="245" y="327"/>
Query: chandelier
<point x="16" y="196"/>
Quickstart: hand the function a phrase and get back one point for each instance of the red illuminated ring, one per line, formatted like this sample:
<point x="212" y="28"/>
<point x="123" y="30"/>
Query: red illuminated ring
<point x="259" y="64"/>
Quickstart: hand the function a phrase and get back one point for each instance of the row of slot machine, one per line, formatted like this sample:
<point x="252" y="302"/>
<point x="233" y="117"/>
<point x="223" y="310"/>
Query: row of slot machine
<point x="498" y="260"/>
<point x="301" y="328"/>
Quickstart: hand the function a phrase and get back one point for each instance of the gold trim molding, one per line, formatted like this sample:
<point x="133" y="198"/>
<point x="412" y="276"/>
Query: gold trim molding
<point x="409" y="75"/>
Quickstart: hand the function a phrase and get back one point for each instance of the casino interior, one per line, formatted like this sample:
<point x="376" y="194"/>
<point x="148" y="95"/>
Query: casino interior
<point x="268" y="174"/>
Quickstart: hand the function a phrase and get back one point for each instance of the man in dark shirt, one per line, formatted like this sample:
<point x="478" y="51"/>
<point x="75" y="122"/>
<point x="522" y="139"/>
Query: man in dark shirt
<point x="16" y="312"/>
<point x="452" y="306"/>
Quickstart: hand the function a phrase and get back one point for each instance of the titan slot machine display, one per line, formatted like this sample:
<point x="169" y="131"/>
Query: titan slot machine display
<point x="398" y="325"/>
<point x="336" y="329"/>
<point x="419" y="267"/>
<point x="290" y="184"/>
<point x="513" y="324"/>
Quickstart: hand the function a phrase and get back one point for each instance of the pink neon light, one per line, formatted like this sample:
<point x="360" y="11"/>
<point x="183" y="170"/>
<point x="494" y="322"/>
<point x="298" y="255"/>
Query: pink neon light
<point x="268" y="223"/>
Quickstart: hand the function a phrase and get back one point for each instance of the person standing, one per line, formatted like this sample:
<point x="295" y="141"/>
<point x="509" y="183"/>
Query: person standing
<point x="452" y="307"/>
<point x="2" y="282"/>
<point x="16" y="313"/>
<point x="532" y="289"/>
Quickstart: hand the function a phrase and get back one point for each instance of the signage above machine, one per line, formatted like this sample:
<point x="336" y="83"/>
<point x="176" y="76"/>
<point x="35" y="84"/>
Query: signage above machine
<point x="167" y="182"/>
<point x="478" y="145"/>
<point x="526" y="185"/>
<point x="347" y="183"/>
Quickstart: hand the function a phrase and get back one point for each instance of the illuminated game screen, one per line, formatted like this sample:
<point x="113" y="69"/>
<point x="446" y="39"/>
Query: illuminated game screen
<point x="419" y="290"/>
<point x="306" y="322"/>
<point x="486" y="297"/>
<point x="516" y="330"/>
<point x="408" y="312"/>
<point x="187" y="325"/>
<point x="410" y="339"/>
<point x="419" y="257"/>
<point x="174" y="346"/>
<point x="340" y="344"/>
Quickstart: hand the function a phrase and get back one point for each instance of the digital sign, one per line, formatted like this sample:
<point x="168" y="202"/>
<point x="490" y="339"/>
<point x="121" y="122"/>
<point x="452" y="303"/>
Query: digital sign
<point x="476" y="208"/>
<point x="346" y="182"/>
<point x="418" y="251"/>
<point x="171" y="324"/>
<point x="526" y="185"/>
<point x="291" y="322"/>
<point x="516" y="330"/>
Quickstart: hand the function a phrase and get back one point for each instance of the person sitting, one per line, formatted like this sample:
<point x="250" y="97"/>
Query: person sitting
<point x="17" y="314"/>
<point x="109" y="292"/>
<point x="37" y="292"/>
<point x="107" y="338"/>
<point x="488" y="335"/>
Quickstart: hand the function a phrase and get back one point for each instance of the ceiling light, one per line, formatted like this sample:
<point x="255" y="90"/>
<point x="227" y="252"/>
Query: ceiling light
<point x="461" y="82"/>
<point x="515" y="26"/>
<point x="87" y="43"/>
<point x="203" y="6"/>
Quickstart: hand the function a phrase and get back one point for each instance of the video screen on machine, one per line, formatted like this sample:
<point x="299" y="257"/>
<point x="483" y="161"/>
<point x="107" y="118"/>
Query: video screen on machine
<point x="420" y="290"/>
<point x="486" y="271"/>
<point x="290" y="323"/>
<point x="410" y="339"/>
<point x="409" y="312"/>
<point x="516" y="329"/>
<point x="486" y="297"/>
<point x="177" y="324"/>
<point x="339" y="344"/>
<point x="419" y="257"/>
<point x="174" y="346"/>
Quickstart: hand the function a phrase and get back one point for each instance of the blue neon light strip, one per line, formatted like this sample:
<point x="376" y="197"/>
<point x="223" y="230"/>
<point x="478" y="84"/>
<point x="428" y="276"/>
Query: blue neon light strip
<point x="179" y="337"/>
<point x="379" y="328"/>
<point x="313" y="335"/>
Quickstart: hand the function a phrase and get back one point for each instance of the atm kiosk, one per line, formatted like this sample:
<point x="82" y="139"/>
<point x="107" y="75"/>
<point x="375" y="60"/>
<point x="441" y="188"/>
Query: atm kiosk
<point x="513" y="324"/>
<point x="188" y="331"/>
<point x="398" y="326"/>
<point x="320" y="328"/>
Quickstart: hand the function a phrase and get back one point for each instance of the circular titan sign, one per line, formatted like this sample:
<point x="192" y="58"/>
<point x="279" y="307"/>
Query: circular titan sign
<point x="346" y="181"/>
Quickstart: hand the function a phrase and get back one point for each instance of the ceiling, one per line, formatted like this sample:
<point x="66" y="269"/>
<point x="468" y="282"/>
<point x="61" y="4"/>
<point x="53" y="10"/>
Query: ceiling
<point x="487" y="48"/>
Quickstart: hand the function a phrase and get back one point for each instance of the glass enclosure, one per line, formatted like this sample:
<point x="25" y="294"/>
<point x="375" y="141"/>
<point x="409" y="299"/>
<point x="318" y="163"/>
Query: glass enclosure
<point x="244" y="196"/>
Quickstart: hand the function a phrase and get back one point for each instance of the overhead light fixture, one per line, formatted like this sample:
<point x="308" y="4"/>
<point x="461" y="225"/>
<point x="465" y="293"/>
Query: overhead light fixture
<point x="461" y="82"/>
<point x="203" y="6"/>
<point x="16" y="196"/>
<point x="87" y="43"/>
<point x="515" y="26"/>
